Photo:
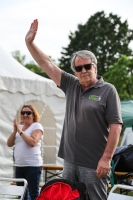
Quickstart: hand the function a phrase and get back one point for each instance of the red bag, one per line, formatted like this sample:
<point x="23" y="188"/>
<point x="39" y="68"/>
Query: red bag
<point x="61" y="189"/>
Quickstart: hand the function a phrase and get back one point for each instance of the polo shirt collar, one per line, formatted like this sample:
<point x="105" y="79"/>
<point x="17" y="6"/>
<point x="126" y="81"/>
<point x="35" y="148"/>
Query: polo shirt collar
<point x="100" y="82"/>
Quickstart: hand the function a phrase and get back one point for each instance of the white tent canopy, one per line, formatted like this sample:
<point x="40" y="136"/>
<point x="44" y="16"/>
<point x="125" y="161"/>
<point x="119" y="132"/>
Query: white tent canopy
<point x="16" y="78"/>
<point x="19" y="86"/>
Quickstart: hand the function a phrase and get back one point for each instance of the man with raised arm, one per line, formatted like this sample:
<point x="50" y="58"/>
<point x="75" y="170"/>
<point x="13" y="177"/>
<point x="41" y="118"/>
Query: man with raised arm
<point x="92" y="123"/>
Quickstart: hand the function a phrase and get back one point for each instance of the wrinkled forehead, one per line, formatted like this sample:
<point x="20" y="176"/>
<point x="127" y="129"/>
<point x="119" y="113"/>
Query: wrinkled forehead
<point x="80" y="60"/>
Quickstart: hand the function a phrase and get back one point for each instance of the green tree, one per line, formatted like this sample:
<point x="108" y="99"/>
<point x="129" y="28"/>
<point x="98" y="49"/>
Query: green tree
<point x="121" y="76"/>
<point x="106" y="36"/>
<point x="31" y="65"/>
<point x="36" y="69"/>
<point x="17" y="55"/>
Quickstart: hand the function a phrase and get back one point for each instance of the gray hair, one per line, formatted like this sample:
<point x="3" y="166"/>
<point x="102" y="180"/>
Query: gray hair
<point x="82" y="54"/>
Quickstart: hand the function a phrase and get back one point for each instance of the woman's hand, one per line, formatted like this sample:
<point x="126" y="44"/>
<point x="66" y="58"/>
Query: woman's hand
<point x="11" y="139"/>
<point x="17" y="126"/>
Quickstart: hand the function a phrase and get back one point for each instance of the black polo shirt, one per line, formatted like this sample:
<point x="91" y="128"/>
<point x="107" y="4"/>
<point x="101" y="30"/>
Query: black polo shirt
<point x="87" y="118"/>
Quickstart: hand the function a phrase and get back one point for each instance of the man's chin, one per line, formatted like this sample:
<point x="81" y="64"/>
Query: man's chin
<point x="86" y="79"/>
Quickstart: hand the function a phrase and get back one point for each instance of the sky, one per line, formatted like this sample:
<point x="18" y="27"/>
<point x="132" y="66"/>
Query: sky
<point x="57" y="18"/>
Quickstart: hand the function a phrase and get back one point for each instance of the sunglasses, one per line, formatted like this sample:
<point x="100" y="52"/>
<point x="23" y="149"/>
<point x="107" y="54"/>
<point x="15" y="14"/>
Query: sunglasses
<point x="26" y="112"/>
<point x="80" y="67"/>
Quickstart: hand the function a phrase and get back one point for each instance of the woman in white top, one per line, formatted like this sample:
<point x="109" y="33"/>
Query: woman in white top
<point x="27" y="138"/>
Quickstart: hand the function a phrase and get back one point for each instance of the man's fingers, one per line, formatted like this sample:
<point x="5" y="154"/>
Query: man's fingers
<point x="102" y="172"/>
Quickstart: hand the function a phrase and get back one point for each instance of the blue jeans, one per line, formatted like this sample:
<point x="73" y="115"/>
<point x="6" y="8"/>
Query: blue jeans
<point x="32" y="175"/>
<point x="97" y="188"/>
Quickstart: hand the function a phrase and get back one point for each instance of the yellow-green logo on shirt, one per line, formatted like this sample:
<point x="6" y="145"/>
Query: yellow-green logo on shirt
<point x="94" y="98"/>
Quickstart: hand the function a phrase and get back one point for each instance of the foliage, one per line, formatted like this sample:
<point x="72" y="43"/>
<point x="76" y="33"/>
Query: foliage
<point x="121" y="76"/>
<point x="106" y="36"/>
<point x="31" y="66"/>
<point x="16" y="54"/>
<point x="36" y="69"/>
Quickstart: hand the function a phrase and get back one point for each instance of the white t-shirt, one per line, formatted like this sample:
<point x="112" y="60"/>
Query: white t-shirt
<point x="24" y="154"/>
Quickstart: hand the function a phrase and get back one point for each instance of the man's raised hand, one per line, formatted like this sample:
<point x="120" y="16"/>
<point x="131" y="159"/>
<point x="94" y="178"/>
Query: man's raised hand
<point x="30" y="36"/>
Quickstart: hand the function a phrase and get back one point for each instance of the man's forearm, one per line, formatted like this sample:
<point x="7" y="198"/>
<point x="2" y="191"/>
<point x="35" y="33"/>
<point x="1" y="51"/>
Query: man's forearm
<point x="113" y="139"/>
<point x="37" y="54"/>
<point x="45" y="63"/>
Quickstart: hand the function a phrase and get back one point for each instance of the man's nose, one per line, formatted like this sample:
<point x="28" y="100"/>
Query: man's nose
<point x="83" y="69"/>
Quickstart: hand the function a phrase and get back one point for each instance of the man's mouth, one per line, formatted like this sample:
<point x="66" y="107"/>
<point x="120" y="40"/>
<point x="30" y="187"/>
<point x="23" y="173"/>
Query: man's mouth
<point x="84" y="75"/>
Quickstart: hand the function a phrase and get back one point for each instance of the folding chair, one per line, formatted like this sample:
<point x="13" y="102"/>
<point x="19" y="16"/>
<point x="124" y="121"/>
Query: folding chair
<point x="123" y="164"/>
<point x="115" y="196"/>
<point x="8" y="191"/>
<point x="121" y="174"/>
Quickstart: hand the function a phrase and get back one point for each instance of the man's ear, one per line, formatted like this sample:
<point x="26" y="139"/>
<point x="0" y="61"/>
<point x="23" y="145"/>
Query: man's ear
<point x="96" y="69"/>
<point x="74" y="73"/>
